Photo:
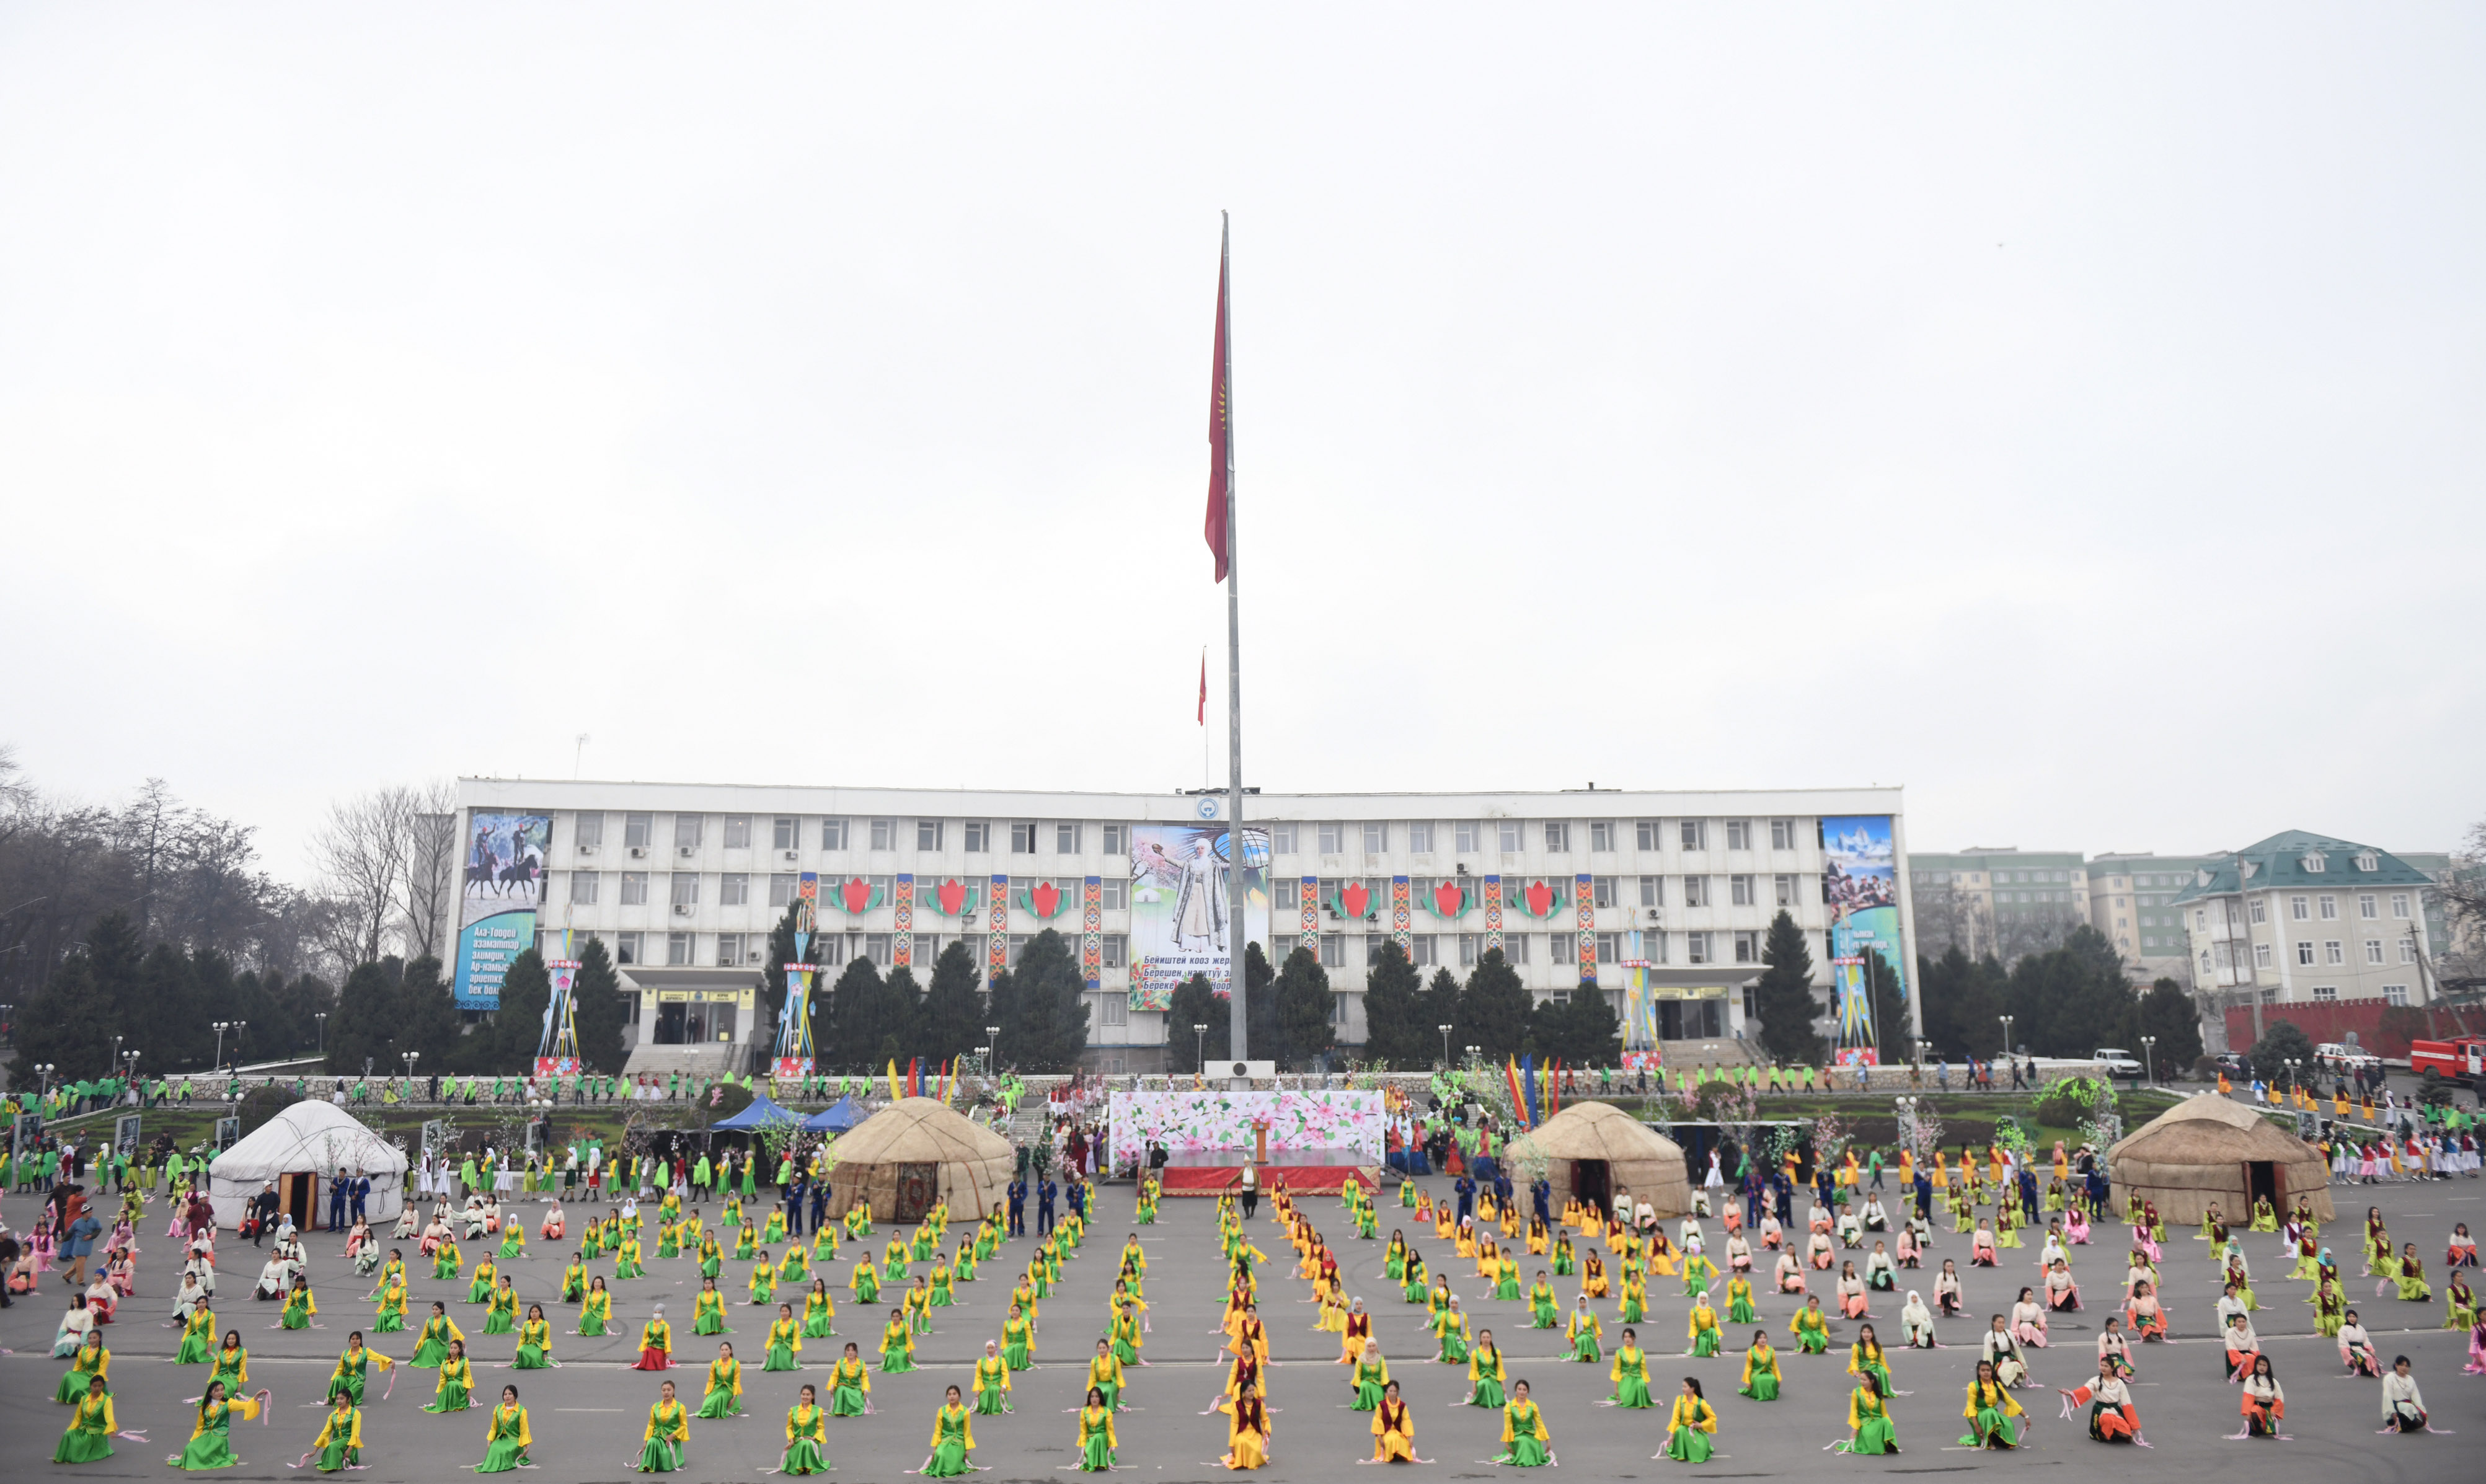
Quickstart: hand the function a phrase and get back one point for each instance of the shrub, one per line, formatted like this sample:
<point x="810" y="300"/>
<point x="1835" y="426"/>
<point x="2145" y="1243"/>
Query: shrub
<point x="2072" y="1101"/>
<point x="728" y="1099"/>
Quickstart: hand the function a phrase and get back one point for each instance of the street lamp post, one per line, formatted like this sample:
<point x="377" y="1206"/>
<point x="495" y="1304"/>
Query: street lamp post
<point x="993" y="1039"/>
<point x="1446" y="1045"/>
<point x="410" y="1058"/>
<point x="321" y="1016"/>
<point x="221" y="1026"/>
<point x="2006" y="1034"/>
<point x="2149" y="1059"/>
<point x="1200" y="1045"/>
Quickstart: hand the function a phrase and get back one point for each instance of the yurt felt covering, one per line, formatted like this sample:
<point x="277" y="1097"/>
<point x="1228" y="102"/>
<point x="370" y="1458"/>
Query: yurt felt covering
<point x="1638" y="1158"/>
<point x="2204" y="1149"/>
<point x="969" y="1165"/>
<point x="311" y="1137"/>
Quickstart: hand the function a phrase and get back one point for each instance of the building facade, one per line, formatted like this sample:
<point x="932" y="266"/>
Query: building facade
<point x="2132" y="900"/>
<point x="1999" y="901"/>
<point x="1666" y="894"/>
<point x="2309" y="917"/>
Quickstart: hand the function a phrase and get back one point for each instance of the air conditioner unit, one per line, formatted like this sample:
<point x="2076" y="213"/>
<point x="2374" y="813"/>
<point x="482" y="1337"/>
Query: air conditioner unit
<point x="793" y="855"/>
<point x="681" y="909"/>
<point x="587" y="850"/>
<point x="638" y="852"/>
<point x="754" y="956"/>
<point x="684" y="851"/>
<point x="1657" y="914"/>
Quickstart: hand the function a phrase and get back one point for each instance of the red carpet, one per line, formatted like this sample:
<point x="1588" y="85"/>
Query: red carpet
<point x="1302" y="1179"/>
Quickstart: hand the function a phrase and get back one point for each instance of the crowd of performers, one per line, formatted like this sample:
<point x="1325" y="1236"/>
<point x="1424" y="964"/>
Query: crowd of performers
<point x="1851" y="1251"/>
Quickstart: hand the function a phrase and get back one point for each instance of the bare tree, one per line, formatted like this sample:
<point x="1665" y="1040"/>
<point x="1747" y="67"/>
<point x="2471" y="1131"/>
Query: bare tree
<point x="431" y="870"/>
<point x="2462" y="891"/>
<point x="363" y="854"/>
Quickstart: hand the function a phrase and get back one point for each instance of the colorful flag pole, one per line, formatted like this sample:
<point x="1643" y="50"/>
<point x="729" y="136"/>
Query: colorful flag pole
<point x="1220" y="531"/>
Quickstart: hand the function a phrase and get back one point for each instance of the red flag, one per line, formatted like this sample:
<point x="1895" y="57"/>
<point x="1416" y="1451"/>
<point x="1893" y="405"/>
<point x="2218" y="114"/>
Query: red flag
<point x="1219" y="453"/>
<point x="1204" y="668"/>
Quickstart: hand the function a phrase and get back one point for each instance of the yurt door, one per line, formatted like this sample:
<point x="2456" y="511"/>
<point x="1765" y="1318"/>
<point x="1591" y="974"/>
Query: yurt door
<point x="2264" y="1179"/>
<point x="300" y="1194"/>
<point x="915" y="1184"/>
<point x="1593" y="1182"/>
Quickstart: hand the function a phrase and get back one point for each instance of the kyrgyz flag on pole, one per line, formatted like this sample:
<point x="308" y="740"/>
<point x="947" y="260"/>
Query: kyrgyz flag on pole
<point x="1220" y="433"/>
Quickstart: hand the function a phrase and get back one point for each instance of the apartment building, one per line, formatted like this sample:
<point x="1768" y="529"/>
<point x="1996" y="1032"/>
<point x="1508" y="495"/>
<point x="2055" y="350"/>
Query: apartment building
<point x="2001" y="901"/>
<point x="2131" y="899"/>
<point x="1666" y="896"/>
<point x="2302" y="917"/>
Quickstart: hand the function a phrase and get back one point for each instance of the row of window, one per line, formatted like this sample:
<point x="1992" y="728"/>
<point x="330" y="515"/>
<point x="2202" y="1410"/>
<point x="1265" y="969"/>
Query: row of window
<point x="1067" y="836"/>
<point x="1741" y="891"/>
<point x="2325" y="908"/>
<point x="683" y="889"/>
<point x="2001" y="878"/>
<point x="743" y="950"/>
<point x="1427" y="949"/>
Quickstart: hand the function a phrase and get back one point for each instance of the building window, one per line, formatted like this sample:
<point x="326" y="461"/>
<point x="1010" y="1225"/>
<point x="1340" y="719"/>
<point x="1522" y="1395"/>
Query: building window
<point x="582" y="887"/>
<point x="1423" y="949"/>
<point x="2373" y="950"/>
<point x="1648" y="834"/>
<point x="784" y="833"/>
<point x="1652" y="946"/>
<point x="884" y="835"/>
<point x="1466" y="834"/>
<point x="2259" y="910"/>
<point x="1653" y="891"/>
<point x="1696" y="891"/>
<point x="2314" y="863"/>
<point x="1739" y="835"/>
<point x="2326" y="991"/>
<point x="1601" y="835"/>
<point x="1065" y="837"/>
<point x="975" y="836"/>
<point x="2396" y="994"/>
<point x="587" y="830"/>
<point x="634" y="889"/>
<point x="2408" y="950"/>
<point x="687" y="829"/>
<point x="1115" y="951"/>
<point x="875" y="947"/>
<point x="734" y="889"/>
<point x="1333" y="951"/>
<point x="2329" y="909"/>
<point x="1784" y="887"/>
<point x="638" y="831"/>
<point x="1696" y="948"/>
<point x="780" y="889"/>
<point x="1113" y="895"/>
<point x="737" y="832"/>
<point x="1601" y="892"/>
<point x="2334" y="951"/>
<point x="1610" y="948"/>
<point x="2261" y="954"/>
<point x="729" y="950"/>
<point x="1022" y="836"/>
<point x="2299" y="909"/>
<point x="1506" y="837"/>
<point x="1471" y="945"/>
<point x="1372" y="943"/>
<point x="677" y="948"/>
<point x="626" y="947"/>
<point x="1377" y="837"/>
<point x="1739" y="891"/>
<point x="2370" y="907"/>
<point x="927" y="833"/>
<point x="2400" y="905"/>
<point x="833" y="834"/>
<point x="1695" y="833"/>
<point x="1333" y="837"/>
<point x="1420" y="837"/>
<point x="685" y="889"/>
<point x="1016" y="945"/>
<point x="1117" y="1009"/>
<point x="2304" y="953"/>
<point x="1514" y="948"/>
<point x="1747" y="947"/>
<point x="2368" y="861"/>
<point x="1338" y="1007"/>
<point x="1558" y="837"/>
<point x="1782" y="835"/>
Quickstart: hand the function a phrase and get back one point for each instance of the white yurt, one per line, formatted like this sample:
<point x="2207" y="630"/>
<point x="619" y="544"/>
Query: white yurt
<point x="299" y="1150"/>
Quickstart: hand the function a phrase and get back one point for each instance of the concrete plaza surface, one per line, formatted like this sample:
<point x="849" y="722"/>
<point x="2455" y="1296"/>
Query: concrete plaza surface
<point x="587" y="1416"/>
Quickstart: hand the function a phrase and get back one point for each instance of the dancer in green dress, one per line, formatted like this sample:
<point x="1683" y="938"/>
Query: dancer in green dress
<point x="667" y="1434"/>
<point x="211" y="1445"/>
<point x="806" y="1436"/>
<point x="506" y="1438"/>
<point x="1691" y="1426"/>
<point x="953" y="1438"/>
<point x="1525" y="1442"/>
<point x="89" y="1434"/>
<point x="724" y="1398"/>
<point x="340" y="1443"/>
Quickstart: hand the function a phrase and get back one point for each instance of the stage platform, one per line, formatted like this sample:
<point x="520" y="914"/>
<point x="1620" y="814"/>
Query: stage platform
<point x="1306" y="1172"/>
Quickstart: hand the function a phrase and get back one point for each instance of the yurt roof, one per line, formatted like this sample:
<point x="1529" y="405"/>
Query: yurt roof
<point x="919" y="1131"/>
<point x="2210" y="1130"/>
<point x="1601" y="1131"/>
<point x="307" y="1135"/>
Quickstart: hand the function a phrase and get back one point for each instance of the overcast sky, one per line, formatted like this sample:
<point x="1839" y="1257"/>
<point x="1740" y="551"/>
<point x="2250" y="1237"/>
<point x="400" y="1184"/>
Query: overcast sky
<point x="2071" y="415"/>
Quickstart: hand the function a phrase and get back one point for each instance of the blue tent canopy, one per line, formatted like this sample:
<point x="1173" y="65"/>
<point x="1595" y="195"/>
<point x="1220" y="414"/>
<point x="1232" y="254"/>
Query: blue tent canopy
<point x="761" y="1112"/>
<point x="837" y="1119"/>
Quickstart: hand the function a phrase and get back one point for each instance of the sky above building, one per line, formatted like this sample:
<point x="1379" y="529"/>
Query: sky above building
<point x="2069" y="416"/>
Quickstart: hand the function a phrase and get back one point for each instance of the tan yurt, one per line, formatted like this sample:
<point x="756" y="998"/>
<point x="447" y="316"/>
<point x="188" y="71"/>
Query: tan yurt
<point x="2210" y="1148"/>
<point x="1596" y="1151"/>
<point x="915" y="1153"/>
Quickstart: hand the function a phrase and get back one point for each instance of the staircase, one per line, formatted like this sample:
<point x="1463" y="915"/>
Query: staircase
<point x="711" y="1059"/>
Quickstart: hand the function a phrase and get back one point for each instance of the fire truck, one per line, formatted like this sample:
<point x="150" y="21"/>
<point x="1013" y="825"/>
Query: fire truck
<point x="2462" y="1059"/>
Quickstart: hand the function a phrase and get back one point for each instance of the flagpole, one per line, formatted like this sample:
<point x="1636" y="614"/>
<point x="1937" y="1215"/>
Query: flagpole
<point x="1237" y="1036"/>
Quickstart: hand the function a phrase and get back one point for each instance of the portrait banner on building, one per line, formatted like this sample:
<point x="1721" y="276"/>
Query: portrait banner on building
<point x="1180" y="904"/>
<point x="1862" y="877"/>
<point x="502" y="891"/>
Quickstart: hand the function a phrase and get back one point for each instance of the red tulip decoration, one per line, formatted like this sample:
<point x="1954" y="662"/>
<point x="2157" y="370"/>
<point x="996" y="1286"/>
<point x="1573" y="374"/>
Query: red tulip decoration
<point x="1044" y="900"/>
<point x="1354" y="899"/>
<point x="953" y="898"/>
<point x="1448" y="900"/>
<point x="858" y="897"/>
<point x="1539" y="901"/>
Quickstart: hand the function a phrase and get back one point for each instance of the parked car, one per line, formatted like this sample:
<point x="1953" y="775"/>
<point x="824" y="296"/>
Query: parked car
<point x="2120" y="1063"/>
<point x="2333" y="1056"/>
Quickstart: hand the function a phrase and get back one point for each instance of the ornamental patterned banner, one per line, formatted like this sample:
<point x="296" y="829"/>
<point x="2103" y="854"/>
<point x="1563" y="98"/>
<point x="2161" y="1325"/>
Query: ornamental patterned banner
<point x="1195" y="1121"/>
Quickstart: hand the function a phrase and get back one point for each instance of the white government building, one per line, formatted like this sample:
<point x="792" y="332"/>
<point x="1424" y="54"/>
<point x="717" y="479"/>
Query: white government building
<point x="684" y="881"/>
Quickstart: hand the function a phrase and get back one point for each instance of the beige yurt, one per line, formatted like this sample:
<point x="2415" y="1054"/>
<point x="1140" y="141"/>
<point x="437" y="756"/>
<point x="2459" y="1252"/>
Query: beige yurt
<point x="2210" y="1148"/>
<point x="915" y="1153"/>
<point x="1596" y="1151"/>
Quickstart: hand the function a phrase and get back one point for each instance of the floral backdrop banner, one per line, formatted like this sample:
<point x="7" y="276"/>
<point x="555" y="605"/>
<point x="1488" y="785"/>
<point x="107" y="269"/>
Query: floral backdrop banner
<point x="1192" y="1121"/>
